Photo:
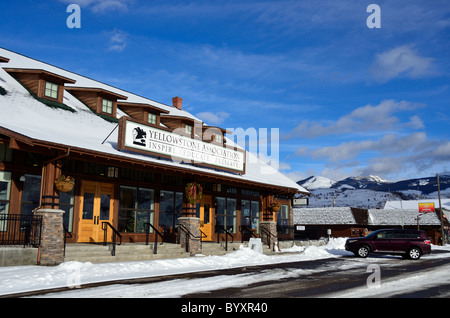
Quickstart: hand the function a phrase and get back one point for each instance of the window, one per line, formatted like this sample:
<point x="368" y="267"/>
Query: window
<point x="250" y="193"/>
<point x="107" y="106"/>
<point x="250" y="214"/>
<point x="5" y="153"/>
<point x="136" y="208"/>
<point x="51" y="90"/>
<point x="30" y="194"/>
<point x="66" y="203"/>
<point x="151" y="118"/>
<point x="219" y="138"/>
<point x="226" y="214"/>
<point x="113" y="172"/>
<point x="5" y="189"/>
<point x="188" y="129"/>
<point x="170" y="208"/>
<point x="283" y="219"/>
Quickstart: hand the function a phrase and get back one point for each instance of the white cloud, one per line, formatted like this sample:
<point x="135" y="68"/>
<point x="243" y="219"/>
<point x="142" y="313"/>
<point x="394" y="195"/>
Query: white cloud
<point x="389" y="144"/>
<point x="118" y="41"/>
<point x="402" y="61"/>
<point x="363" y="119"/>
<point x="211" y="118"/>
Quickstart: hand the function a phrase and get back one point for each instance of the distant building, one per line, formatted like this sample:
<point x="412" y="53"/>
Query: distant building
<point x="314" y="223"/>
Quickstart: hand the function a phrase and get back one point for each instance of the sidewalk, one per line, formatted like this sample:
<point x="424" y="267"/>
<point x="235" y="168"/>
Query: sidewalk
<point x="24" y="279"/>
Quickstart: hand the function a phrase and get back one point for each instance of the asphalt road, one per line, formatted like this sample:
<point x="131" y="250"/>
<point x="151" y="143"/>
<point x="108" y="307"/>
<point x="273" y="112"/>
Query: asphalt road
<point x="334" y="277"/>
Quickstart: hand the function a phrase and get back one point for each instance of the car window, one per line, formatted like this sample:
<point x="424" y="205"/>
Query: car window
<point x="399" y="235"/>
<point x="381" y="235"/>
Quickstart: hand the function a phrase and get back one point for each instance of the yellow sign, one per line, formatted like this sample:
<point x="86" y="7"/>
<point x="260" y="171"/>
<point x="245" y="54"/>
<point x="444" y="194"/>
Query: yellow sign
<point x="426" y="207"/>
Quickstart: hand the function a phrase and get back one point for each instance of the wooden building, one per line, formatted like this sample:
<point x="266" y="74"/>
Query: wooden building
<point x="132" y="160"/>
<point x="315" y="223"/>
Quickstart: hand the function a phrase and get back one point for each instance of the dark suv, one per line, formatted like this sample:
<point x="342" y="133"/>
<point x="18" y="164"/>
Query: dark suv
<point x="408" y="243"/>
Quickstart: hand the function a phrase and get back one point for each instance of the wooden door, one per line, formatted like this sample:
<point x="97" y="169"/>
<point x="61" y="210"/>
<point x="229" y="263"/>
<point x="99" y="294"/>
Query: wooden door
<point x="96" y="207"/>
<point x="206" y="217"/>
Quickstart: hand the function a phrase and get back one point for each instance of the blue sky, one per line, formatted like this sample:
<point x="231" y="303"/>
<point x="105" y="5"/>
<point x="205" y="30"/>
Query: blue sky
<point x="348" y="100"/>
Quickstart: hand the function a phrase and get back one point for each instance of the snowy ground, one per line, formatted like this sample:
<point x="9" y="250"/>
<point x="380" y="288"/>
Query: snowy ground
<point x="20" y="279"/>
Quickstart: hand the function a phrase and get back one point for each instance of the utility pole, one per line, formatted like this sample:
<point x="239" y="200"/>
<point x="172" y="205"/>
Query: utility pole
<point x="440" y="208"/>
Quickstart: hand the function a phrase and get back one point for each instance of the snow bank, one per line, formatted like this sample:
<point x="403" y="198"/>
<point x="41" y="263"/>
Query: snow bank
<point x="19" y="279"/>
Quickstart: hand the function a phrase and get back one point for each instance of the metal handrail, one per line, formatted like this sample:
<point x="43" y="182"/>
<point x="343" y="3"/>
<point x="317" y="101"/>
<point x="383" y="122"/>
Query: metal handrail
<point x="269" y="234"/>
<point x="202" y="236"/>
<point x="66" y="231"/>
<point x="147" y="233"/>
<point x="226" y="235"/>
<point x="105" y="226"/>
<point x="244" y="228"/>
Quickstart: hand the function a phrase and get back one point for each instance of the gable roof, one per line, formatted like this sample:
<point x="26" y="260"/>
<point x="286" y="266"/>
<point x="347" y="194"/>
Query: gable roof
<point x="23" y="115"/>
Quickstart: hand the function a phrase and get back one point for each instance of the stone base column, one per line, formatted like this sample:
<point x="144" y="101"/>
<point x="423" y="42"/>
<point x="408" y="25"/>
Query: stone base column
<point x="51" y="250"/>
<point x="272" y="238"/>
<point x="190" y="242"/>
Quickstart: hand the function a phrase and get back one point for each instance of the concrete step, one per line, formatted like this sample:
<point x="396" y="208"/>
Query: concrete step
<point x="125" y="252"/>
<point x="97" y="253"/>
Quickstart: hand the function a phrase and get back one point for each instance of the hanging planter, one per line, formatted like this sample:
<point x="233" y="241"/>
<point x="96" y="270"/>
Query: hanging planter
<point x="193" y="192"/>
<point x="275" y="207"/>
<point x="64" y="184"/>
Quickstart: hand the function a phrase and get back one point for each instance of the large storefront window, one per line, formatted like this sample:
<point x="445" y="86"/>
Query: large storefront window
<point x="170" y="208"/>
<point x="5" y="189"/>
<point x="30" y="194"/>
<point x="66" y="202"/>
<point x="136" y="208"/>
<point x="283" y="219"/>
<point x="226" y="214"/>
<point x="250" y="214"/>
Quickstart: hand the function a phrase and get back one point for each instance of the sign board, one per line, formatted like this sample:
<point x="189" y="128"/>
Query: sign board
<point x="426" y="207"/>
<point x="256" y="245"/>
<point x="300" y="228"/>
<point x="138" y="137"/>
<point x="301" y="201"/>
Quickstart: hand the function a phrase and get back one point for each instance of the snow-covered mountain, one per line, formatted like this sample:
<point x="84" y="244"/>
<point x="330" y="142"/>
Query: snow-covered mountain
<point x="371" y="191"/>
<point x="313" y="183"/>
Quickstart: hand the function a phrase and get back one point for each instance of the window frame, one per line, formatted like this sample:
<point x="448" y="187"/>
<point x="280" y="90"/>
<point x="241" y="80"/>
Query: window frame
<point x="137" y="210"/>
<point x="106" y="107"/>
<point x="51" y="89"/>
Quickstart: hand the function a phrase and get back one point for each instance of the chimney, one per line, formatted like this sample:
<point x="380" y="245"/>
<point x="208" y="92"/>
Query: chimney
<point x="177" y="101"/>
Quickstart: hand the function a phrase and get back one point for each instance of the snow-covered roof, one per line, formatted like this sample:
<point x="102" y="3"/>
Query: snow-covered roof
<point x="402" y="217"/>
<point x="374" y="217"/>
<point x="318" y="216"/>
<point x="23" y="114"/>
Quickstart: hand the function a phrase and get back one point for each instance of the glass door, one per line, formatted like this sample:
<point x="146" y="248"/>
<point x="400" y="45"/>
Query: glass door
<point x="204" y="212"/>
<point x="96" y="207"/>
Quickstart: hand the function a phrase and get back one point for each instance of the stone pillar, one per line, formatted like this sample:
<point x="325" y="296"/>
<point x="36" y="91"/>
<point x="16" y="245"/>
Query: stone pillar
<point x="190" y="242"/>
<point x="272" y="238"/>
<point x="51" y="250"/>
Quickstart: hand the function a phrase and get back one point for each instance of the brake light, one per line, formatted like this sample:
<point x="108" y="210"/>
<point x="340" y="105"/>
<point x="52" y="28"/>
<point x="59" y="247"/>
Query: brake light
<point x="427" y="242"/>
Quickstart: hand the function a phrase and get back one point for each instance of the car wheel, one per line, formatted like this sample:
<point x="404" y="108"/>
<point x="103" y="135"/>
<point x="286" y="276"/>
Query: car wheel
<point x="363" y="251"/>
<point x="414" y="253"/>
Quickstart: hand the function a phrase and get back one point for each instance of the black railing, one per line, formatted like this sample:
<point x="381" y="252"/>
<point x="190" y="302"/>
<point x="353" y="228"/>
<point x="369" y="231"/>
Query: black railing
<point x="189" y="233"/>
<point x="66" y="234"/>
<point x="269" y="235"/>
<point x="116" y="233"/>
<point x="227" y="233"/>
<point x="246" y="232"/>
<point x="20" y="230"/>
<point x="147" y="234"/>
